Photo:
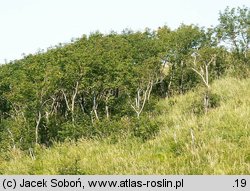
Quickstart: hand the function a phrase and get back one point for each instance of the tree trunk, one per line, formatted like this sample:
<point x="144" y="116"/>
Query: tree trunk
<point x="95" y="108"/>
<point x="107" y="111"/>
<point x="73" y="102"/>
<point x="182" y="78"/>
<point x="37" y="126"/>
<point x="138" y="106"/>
<point x="106" y="106"/>
<point x="206" y="102"/>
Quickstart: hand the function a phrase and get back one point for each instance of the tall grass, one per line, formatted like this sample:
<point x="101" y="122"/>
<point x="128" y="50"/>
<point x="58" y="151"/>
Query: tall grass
<point x="189" y="141"/>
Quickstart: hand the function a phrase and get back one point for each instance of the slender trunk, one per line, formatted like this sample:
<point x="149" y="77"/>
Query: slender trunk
<point x="95" y="108"/>
<point x="73" y="101"/>
<point x="71" y="107"/>
<point x="204" y="74"/>
<point x="138" y="99"/>
<point x="170" y="82"/>
<point x="143" y="104"/>
<point x="206" y="99"/>
<point x="66" y="100"/>
<point x="182" y="77"/>
<point x="169" y="87"/>
<point x="37" y="126"/>
<point x="96" y="114"/>
<point x="107" y="111"/>
<point x="138" y="106"/>
<point x="82" y="107"/>
<point x="106" y="106"/>
<point x="91" y="116"/>
<point x="150" y="87"/>
<point x="207" y="82"/>
<point x="206" y="102"/>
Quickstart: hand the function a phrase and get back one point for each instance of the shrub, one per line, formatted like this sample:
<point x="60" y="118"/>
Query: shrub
<point x="145" y="128"/>
<point x="198" y="107"/>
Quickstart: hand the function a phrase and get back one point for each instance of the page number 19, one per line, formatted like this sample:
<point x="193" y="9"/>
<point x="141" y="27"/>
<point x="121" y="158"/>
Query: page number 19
<point x="240" y="183"/>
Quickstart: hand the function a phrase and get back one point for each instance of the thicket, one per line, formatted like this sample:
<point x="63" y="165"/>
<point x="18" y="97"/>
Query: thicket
<point x="108" y="85"/>
<point x="187" y="142"/>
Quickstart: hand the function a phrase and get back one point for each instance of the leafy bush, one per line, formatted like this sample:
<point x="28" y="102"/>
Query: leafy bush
<point x="145" y="128"/>
<point x="197" y="106"/>
<point x="16" y="134"/>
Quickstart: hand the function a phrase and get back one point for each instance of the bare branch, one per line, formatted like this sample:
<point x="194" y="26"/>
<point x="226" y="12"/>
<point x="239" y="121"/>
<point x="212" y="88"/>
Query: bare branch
<point x="66" y="100"/>
<point x="202" y="77"/>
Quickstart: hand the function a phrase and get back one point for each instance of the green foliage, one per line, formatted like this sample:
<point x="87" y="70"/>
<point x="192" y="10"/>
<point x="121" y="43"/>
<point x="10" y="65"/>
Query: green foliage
<point x="234" y="27"/>
<point x="145" y="128"/>
<point x="15" y="134"/>
<point x="220" y="143"/>
<point x="198" y="108"/>
<point x="109" y="88"/>
<point x="234" y="30"/>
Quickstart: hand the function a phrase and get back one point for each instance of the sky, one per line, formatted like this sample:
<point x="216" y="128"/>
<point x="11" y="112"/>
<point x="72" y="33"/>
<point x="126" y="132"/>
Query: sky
<point x="29" y="25"/>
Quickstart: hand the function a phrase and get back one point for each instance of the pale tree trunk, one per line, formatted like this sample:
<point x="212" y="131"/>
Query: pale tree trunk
<point x="91" y="115"/>
<point x="204" y="77"/>
<point x="182" y="78"/>
<point x="71" y="106"/>
<point x="108" y="94"/>
<point x="95" y="108"/>
<point x="150" y="87"/>
<point x="170" y="82"/>
<point x="73" y="102"/>
<point x="140" y="100"/>
<point x="206" y="102"/>
<point x="107" y="107"/>
<point x="204" y="74"/>
<point x="40" y="116"/>
<point x="37" y="126"/>
<point x="107" y="111"/>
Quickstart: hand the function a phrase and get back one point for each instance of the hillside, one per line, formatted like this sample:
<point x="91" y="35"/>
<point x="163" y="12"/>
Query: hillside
<point x="189" y="141"/>
<point x="164" y="101"/>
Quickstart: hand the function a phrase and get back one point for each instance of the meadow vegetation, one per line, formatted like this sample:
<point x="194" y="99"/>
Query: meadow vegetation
<point x="151" y="102"/>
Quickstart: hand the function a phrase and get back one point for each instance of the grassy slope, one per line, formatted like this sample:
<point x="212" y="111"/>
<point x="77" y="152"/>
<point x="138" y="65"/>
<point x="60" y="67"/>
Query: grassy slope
<point x="220" y="143"/>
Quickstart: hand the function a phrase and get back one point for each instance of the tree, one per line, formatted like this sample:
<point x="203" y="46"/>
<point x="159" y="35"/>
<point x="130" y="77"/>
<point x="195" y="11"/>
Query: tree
<point x="208" y="63"/>
<point x="234" y="29"/>
<point x="178" y="45"/>
<point x="203" y="72"/>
